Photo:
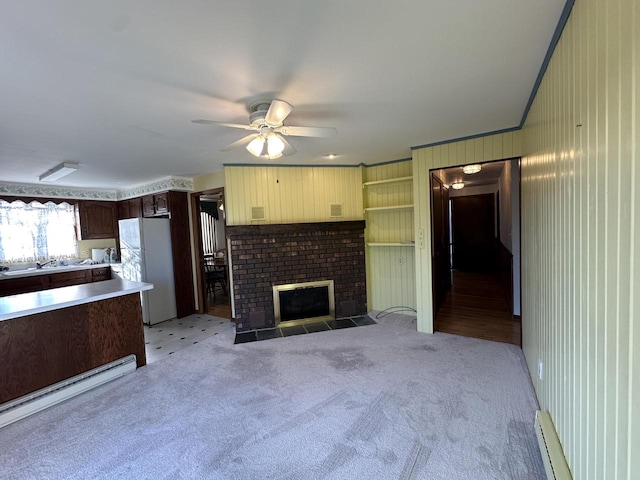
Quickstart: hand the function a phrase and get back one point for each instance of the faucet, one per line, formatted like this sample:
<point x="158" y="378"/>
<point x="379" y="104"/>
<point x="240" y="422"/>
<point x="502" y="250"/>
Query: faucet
<point x="40" y="265"/>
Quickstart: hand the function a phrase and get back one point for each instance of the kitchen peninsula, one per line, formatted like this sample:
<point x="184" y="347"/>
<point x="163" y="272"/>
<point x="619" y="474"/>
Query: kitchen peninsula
<point x="55" y="334"/>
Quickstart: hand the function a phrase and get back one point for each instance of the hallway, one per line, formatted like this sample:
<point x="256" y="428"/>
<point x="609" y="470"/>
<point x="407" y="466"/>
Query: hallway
<point x="476" y="307"/>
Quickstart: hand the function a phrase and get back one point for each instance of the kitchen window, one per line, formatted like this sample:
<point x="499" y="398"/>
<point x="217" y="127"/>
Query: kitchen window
<point x="36" y="231"/>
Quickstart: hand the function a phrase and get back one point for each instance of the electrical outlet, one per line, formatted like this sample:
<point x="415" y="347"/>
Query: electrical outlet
<point x="400" y="261"/>
<point x="539" y="369"/>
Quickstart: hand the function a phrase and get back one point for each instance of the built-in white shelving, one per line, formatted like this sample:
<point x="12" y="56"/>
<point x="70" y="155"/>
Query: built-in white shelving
<point x="389" y="207"/>
<point x="390" y="180"/>
<point x="395" y="244"/>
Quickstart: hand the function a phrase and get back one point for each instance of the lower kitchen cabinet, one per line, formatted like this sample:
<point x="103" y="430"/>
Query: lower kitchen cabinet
<point x="36" y="283"/>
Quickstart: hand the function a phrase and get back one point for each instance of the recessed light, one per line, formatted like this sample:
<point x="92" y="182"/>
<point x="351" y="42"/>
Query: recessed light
<point x="331" y="156"/>
<point x="457" y="186"/>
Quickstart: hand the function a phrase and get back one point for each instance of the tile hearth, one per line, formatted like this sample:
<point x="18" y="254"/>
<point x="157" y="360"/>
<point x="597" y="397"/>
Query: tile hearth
<point x="321" y="326"/>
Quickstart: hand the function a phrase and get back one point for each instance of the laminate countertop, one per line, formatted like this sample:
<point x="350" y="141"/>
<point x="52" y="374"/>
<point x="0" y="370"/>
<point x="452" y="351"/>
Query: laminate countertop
<point x="23" y="304"/>
<point x="32" y="272"/>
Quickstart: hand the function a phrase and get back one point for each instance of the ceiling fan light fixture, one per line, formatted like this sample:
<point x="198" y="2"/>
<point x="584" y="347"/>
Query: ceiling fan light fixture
<point x="471" y="169"/>
<point x="256" y="146"/>
<point x="457" y="185"/>
<point x="275" y="146"/>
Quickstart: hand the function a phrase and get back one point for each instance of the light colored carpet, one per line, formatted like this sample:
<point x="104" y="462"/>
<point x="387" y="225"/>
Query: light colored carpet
<point x="373" y="402"/>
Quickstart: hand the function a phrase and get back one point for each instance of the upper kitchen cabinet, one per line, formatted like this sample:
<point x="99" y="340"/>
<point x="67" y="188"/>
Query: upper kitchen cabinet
<point x="131" y="208"/>
<point x="97" y="219"/>
<point x="156" y="204"/>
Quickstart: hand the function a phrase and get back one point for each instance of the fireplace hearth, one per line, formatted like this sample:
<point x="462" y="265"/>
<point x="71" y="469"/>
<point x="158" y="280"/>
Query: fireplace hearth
<point x="264" y="256"/>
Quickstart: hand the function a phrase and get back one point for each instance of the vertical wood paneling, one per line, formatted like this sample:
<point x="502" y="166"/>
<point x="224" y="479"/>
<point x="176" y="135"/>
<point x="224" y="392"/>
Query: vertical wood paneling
<point x="392" y="282"/>
<point x="292" y="194"/>
<point x="580" y="208"/>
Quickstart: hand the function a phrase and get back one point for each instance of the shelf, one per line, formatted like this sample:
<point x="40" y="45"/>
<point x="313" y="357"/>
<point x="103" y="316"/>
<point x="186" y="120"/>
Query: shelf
<point x="391" y="180"/>
<point x="392" y="207"/>
<point x="397" y="244"/>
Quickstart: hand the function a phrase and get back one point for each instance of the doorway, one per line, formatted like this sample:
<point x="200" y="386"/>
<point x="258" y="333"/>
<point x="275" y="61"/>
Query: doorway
<point x="481" y="210"/>
<point x="212" y="271"/>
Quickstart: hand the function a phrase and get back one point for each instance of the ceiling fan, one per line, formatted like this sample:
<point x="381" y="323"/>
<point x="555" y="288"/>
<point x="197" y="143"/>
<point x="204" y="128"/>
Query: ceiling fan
<point x="266" y="121"/>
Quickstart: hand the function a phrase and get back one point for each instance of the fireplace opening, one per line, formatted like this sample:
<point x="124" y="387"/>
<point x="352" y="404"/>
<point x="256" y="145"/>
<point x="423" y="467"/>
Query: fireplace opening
<point x="303" y="302"/>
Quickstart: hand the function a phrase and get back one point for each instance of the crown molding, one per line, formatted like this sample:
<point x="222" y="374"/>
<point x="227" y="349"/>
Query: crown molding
<point x="184" y="184"/>
<point x="31" y="190"/>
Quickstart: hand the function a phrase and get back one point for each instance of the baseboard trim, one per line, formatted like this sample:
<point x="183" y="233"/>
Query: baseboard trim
<point x="555" y="464"/>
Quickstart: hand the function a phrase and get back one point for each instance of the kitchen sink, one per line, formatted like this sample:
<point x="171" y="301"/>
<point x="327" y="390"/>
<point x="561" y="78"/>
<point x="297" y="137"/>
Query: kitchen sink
<point x="43" y="270"/>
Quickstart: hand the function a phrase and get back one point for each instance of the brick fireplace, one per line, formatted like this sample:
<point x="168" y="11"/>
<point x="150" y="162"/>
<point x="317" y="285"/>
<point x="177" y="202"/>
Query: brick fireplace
<point x="263" y="256"/>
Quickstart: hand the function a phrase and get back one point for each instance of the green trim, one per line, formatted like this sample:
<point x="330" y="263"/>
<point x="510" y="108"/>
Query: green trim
<point x="286" y="165"/>
<point x="470" y="137"/>
<point x="388" y="162"/>
<point x="564" y="17"/>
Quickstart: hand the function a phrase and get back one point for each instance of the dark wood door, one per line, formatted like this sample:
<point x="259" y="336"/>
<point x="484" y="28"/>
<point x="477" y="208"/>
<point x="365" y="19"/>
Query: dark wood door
<point x="473" y="227"/>
<point x="441" y="268"/>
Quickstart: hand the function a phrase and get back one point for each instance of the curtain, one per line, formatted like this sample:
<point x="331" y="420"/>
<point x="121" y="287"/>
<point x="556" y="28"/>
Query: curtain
<point x="36" y="231"/>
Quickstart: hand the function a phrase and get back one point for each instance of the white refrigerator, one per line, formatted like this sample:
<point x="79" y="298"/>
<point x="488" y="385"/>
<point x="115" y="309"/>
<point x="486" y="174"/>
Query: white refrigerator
<point x="145" y="247"/>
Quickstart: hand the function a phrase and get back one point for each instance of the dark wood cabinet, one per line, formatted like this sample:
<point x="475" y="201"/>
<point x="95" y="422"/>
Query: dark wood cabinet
<point x="123" y="209"/>
<point x="36" y="283"/>
<point x="13" y="286"/>
<point x="156" y="204"/>
<point x="161" y="203"/>
<point x="135" y="207"/>
<point x="97" y="219"/>
<point x="100" y="274"/>
<point x="148" y="206"/>
<point x="131" y="208"/>
<point x="65" y="279"/>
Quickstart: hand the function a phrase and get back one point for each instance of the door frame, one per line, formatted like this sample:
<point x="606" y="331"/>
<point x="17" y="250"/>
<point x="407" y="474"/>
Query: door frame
<point x="197" y="244"/>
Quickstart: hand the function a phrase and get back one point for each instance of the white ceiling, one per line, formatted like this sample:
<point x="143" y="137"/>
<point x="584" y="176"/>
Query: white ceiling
<point x="114" y="85"/>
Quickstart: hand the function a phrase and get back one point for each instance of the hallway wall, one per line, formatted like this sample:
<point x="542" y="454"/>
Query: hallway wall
<point x="581" y="238"/>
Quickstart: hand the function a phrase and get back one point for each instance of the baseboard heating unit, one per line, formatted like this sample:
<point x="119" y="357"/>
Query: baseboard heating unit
<point x="34" y="402"/>
<point x="553" y="458"/>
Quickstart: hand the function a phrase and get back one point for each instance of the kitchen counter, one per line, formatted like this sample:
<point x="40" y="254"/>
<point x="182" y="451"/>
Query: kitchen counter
<point x="56" y="334"/>
<point x="30" y="272"/>
<point x="24" y="304"/>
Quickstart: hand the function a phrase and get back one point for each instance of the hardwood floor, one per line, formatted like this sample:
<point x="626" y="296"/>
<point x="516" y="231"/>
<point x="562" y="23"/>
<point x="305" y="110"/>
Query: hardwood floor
<point x="476" y="307"/>
<point x="219" y="306"/>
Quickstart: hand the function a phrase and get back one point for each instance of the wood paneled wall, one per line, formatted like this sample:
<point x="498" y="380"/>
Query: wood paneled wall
<point x="581" y="240"/>
<point x="482" y="149"/>
<point x="292" y="194"/>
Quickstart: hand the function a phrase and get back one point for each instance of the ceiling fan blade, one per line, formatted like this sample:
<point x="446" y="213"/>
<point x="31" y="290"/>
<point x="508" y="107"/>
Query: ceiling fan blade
<point x="223" y="124"/>
<point x="278" y="111"/>
<point x="288" y="149"/>
<point x="240" y="143"/>
<point x="324" y="132"/>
